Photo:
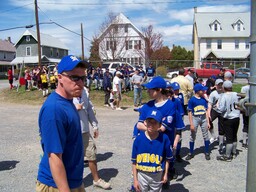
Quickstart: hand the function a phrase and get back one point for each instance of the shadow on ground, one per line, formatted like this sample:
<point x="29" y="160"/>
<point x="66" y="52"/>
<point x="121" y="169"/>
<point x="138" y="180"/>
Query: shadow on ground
<point x="105" y="174"/>
<point x="7" y="165"/>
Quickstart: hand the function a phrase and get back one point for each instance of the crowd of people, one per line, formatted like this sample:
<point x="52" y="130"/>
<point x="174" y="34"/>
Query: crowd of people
<point x="67" y="113"/>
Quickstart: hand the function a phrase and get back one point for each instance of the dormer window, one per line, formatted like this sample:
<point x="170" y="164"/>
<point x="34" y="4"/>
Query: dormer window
<point x="215" y="26"/>
<point x="238" y="25"/>
<point x="27" y="38"/>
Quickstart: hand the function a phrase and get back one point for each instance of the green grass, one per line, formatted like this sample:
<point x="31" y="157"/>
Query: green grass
<point x="35" y="97"/>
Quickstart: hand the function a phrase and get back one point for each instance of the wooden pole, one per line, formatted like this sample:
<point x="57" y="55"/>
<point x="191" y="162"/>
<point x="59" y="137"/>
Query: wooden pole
<point x="38" y="34"/>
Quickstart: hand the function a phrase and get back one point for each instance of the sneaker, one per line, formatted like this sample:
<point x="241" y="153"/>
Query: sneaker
<point x="233" y="155"/>
<point x="245" y="146"/>
<point x="102" y="184"/>
<point x="106" y="105"/>
<point x="189" y="156"/>
<point x="119" y="109"/>
<point x="112" y="105"/>
<point x="207" y="156"/>
<point x="213" y="139"/>
<point x="178" y="158"/>
<point x="224" y="158"/>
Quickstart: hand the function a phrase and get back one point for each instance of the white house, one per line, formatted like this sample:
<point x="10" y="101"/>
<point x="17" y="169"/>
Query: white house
<point x="122" y="41"/>
<point x="221" y="37"/>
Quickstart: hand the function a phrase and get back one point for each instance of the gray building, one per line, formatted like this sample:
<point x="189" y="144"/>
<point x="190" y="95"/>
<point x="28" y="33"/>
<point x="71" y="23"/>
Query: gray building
<point x="52" y="49"/>
<point x="7" y="54"/>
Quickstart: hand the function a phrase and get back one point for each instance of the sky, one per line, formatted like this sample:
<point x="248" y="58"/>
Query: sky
<point x="172" y="18"/>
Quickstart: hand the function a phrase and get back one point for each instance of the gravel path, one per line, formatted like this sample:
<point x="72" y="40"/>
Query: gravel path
<point x="20" y="154"/>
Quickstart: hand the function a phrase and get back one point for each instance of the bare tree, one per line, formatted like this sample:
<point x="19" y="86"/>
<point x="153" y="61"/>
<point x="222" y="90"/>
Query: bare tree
<point x="153" y="42"/>
<point x="113" y="39"/>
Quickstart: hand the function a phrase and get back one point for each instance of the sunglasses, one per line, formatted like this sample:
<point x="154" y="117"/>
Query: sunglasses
<point x="74" y="78"/>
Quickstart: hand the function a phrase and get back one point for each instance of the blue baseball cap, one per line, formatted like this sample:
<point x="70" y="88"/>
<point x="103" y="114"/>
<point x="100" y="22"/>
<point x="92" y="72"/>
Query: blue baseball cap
<point x="156" y="82"/>
<point x="155" y="114"/>
<point x="214" y="77"/>
<point x="175" y="86"/>
<point x="69" y="62"/>
<point x="199" y="87"/>
<point x="168" y="84"/>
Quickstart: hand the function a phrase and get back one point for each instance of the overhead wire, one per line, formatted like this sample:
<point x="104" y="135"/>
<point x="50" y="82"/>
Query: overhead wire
<point x="63" y="26"/>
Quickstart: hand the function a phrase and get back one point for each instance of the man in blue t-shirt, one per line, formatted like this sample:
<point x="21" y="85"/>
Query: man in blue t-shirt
<point x="61" y="167"/>
<point x="150" y="72"/>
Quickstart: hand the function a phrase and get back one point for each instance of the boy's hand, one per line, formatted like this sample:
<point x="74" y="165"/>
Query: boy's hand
<point x="164" y="179"/>
<point x="136" y="186"/>
<point x="192" y="128"/>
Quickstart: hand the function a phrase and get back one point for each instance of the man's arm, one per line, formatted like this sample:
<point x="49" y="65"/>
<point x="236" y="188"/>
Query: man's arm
<point x="58" y="172"/>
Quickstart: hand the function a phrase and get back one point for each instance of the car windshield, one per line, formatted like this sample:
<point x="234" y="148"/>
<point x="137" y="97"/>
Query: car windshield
<point x="105" y="65"/>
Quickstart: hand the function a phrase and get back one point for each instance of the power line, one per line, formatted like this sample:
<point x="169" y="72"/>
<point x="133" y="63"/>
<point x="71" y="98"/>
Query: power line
<point x="26" y="26"/>
<point x="15" y="8"/>
<point x="63" y="26"/>
<point x="129" y="3"/>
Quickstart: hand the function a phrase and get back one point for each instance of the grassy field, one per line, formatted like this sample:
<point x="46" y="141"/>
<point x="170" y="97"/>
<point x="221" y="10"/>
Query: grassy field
<point x="35" y="97"/>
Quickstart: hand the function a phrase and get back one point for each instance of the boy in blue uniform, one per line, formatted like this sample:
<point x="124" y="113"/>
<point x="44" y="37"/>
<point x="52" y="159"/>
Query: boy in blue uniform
<point x="197" y="107"/>
<point x="177" y="95"/>
<point x="151" y="154"/>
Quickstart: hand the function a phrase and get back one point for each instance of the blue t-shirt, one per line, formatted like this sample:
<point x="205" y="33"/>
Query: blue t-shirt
<point x="60" y="131"/>
<point x="151" y="155"/>
<point x="150" y="71"/>
<point x="181" y="99"/>
<point x="198" y="106"/>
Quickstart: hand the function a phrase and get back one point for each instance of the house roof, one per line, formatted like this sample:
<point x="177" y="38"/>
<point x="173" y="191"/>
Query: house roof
<point x="5" y="45"/>
<point x="230" y="54"/>
<point x="46" y="40"/>
<point x="203" y="20"/>
<point x="121" y="19"/>
<point x="33" y="59"/>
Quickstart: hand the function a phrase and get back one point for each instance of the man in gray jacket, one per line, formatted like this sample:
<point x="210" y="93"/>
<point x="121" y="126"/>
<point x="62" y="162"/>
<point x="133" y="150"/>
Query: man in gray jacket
<point x="86" y="114"/>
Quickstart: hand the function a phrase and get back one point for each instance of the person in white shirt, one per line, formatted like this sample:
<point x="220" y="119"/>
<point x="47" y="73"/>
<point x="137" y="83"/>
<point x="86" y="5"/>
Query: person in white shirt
<point x="190" y="76"/>
<point x="117" y="90"/>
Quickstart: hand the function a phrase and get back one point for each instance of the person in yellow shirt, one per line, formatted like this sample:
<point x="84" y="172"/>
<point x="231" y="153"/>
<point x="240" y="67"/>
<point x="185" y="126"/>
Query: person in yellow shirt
<point x="52" y="81"/>
<point x="44" y="80"/>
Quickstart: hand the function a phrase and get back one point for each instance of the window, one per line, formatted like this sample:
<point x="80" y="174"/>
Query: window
<point x="51" y="52"/>
<point x="126" y="28"/>
<point x="207" y="66"/>
<point x="4" y="55"/>
<point x="27" y="38"/>
<point x="238" y="26"/>
<point x="208" y="43"/>
<point x="116" y="29"/>
<point x="28" y="51"/>
<point x="107" y="45"/>
<point x="214" y="66"/>
<point x="247" y="44"/>
<point x="128" y="60"/>
<point x="57" y="53"/>
<point x="112" y="45"/>
<point x="137" y="44"/>
<point x="129" y="44"/>
<point x="215" y="27"/>
<point x="219" y="44"/>
<point x="236" y="44"/>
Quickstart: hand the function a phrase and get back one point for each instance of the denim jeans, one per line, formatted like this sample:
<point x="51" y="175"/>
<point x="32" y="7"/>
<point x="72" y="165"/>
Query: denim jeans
<point x="137" y="95"/>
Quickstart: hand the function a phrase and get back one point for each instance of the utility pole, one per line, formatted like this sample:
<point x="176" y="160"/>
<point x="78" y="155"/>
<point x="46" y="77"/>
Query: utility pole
<point x="38" y="35"/>
<point x="251" y="159"/>
<point x="82" y="41"/>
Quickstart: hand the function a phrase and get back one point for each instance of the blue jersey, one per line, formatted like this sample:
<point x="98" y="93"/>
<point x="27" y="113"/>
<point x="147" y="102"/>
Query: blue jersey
<point x="151" y="155"/>
<point x="60" y="132"/>
<point x="171" y="112"/>
<point x="198" y="106"/>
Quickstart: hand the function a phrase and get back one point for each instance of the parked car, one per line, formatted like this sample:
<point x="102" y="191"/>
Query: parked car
<point x="113" y="65"/>
<point x="242" y="72"/>
<point x="171" y="74"/>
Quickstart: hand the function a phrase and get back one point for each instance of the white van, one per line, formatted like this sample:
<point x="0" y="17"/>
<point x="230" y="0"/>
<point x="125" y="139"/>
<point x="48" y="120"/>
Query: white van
<point x="113" y="65"/>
